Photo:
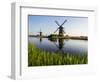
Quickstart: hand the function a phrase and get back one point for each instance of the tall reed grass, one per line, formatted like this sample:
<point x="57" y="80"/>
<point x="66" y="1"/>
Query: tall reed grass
<point x="37" y="57"/>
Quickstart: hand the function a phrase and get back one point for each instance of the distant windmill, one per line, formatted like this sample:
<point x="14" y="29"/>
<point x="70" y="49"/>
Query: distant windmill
<point x="40" y="33"/>
<point x="60" y="28"/>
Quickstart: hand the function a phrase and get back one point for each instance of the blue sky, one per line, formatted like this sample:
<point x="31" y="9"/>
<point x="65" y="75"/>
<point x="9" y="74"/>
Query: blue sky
<point x="75" y="26"/>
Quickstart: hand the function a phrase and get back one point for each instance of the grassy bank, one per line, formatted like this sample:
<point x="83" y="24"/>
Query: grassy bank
<point x="37" y="57"/>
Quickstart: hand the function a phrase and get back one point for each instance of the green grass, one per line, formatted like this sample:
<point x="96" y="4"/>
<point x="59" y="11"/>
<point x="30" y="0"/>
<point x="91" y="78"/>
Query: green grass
<point x="37" y="57"/>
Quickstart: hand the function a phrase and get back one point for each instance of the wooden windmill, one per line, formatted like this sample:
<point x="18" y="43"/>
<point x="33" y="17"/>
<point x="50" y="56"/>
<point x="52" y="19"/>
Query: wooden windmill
<point x="60" y="28"/>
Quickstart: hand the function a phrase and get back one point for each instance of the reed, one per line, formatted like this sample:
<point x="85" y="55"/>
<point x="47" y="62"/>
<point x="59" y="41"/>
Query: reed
<point x="37" y="57"/>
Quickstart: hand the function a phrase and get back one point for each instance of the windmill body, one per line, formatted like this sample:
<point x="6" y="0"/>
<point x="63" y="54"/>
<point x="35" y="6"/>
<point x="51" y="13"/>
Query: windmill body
<point x="61" y="31"/>
<point x="40" y="33"/>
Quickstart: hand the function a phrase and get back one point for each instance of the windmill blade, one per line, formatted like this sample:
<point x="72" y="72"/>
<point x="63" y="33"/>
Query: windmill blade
<point x="56" y="30"/>
<point x="57" y="23"/>
<point x="63" y="22"/>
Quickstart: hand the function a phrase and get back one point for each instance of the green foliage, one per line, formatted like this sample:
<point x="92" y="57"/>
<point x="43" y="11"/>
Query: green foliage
<point x="37" y="57"/>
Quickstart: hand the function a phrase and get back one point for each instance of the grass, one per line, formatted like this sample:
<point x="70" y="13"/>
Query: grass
<point x="37" y="57"/>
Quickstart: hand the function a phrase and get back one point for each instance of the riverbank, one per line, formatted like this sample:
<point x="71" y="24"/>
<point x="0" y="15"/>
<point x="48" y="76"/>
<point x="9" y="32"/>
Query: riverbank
<point x="65" y="37"/>
<point x="37" y="57"/>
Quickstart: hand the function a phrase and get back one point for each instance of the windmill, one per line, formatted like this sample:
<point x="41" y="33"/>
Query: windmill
<point x="60" y="28"/>
<point x="40" y="33"/>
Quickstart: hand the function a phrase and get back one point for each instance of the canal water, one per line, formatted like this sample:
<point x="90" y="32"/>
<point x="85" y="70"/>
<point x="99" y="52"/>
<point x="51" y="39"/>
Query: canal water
<point x="62" y="46"/>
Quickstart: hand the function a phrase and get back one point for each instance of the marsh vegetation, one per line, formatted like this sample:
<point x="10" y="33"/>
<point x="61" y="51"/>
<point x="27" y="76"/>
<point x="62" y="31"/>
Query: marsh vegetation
<point x="38" y="57"/>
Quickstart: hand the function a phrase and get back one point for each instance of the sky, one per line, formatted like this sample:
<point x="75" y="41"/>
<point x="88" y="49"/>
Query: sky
<point x="75" y="26"/>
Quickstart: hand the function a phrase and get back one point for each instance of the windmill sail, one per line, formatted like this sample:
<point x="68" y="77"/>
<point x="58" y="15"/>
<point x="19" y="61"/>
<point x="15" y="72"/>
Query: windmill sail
<point x="57" y="23"/>
<point x="63" y="22"/>
<point x="56" y="30"/>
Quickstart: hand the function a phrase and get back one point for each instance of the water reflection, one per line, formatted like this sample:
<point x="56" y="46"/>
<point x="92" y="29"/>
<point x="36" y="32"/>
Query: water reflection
<point x="60" y="45"/>
<point x="60" y="42"/>
<point x="40" y="39"/>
